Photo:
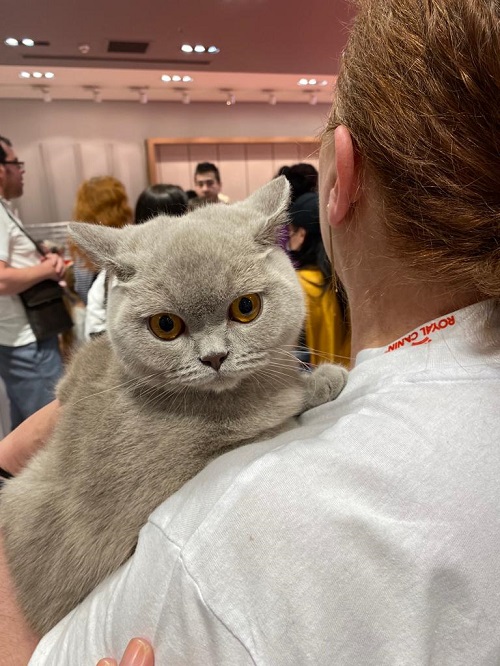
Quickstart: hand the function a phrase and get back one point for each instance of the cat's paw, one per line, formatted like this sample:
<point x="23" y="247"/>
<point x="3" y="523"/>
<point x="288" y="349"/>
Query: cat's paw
<point x="324" y="384"/>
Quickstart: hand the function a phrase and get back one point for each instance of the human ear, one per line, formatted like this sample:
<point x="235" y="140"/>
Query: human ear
<point x="345" y="190"/>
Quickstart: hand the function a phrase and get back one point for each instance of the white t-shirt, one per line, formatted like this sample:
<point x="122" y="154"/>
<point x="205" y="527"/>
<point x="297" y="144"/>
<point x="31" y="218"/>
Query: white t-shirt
<point x="17" y="251"/>
<point x="368" y="536"/>
<point x="95" y="311"/>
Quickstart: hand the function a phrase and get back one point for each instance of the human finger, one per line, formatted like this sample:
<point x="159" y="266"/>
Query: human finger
<point x="138" y="653"/>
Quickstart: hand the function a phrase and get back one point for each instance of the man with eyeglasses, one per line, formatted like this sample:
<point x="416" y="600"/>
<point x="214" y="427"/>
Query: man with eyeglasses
<point x="29" y="368"/>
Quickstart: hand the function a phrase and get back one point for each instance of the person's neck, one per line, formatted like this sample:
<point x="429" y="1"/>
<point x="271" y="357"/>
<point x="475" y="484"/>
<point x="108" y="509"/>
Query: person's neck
<point x="381" y="316"/>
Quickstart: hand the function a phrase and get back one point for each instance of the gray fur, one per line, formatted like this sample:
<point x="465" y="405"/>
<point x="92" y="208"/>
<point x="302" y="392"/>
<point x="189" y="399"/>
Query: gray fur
<point x="141" y="415"/>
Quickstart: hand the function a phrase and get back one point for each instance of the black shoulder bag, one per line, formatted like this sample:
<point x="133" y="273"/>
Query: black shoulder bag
<point x="43" y="302"/>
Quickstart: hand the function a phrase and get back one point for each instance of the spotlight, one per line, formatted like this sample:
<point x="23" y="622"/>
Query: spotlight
<point x="166" y="78"/>
<point x="313" y="99"/>
<point x="272" y="99"/>
<point x="49" y="75"/>
<point x="11" y="41"/>
<point x="47" y="97"/>
<point x="231" y="99"/>
<point x="27" y="41"/>
<point x="186" y="99"/>
<point x="97" y="95"/>
<point x="37" y="75"/>
<point x="143" y="96"/>
<point x="199" y="48"/>
<point x="187" y="48"/>
<point x="24" y="75"/>
<point x="213" y="49"/>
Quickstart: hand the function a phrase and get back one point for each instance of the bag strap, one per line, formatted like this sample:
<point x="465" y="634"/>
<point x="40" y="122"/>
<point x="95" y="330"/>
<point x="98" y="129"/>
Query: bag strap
<point x="38" y="245"/>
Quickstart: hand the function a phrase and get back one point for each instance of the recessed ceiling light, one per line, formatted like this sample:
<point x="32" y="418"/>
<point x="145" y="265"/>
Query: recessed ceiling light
<point x="37" y="75"/>
<point x="24" y="75"/>
<point x="176" y="77"/>
<point x="166" y="78"/>
<point x="213" y="49"/>
<point x="49" y="75"/>
<point x="187" y="48"/>
<point x="302" y="82"/>
<point x="27" y="41"/>
<point x="312" y="82"/>
<point x="187" y="79"/>
<point x="324" y="83"/>
<point x="199" y="48"/>
<point x="11" y="41"/>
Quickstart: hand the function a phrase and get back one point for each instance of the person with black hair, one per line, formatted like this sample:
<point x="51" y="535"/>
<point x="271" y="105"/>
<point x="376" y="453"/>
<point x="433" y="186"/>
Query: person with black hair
<point x="207" y="184"/>
<point x="160" y="199"/>
<point x="326" y="335"/>
<point x="30" y="368"/>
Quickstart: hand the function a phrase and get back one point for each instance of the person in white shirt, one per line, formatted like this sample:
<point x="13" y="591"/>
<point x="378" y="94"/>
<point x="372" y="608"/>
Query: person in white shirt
<point x="370" y="535"/>
<point x="29" y="368"/>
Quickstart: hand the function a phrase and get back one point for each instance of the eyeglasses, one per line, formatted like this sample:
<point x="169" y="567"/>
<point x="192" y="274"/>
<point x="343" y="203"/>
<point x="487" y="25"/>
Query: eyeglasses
<point x="17" y="163"/>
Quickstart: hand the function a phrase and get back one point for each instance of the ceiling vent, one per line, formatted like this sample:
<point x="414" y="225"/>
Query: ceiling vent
<point x="127" y="47"/>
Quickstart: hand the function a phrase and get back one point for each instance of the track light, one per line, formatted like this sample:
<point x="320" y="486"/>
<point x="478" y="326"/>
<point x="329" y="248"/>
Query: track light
<point x="231" y="99"/>
<point x="45" y="92"/>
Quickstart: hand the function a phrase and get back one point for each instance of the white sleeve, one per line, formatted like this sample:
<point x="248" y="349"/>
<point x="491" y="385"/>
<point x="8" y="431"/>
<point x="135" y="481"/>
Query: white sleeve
<point x="95" y="313"/>
<point x="4" y="235"/>
<point x="154" y="597"/>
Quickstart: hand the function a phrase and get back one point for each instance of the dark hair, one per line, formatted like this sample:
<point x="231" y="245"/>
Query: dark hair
<point x="282" y="171"/>
<point x="191" y="194"/>
<point x="206" y="167"/>
<point x="3" y="154"/>
<point x="304" y="213"/>
<point x="160" y="199"/>
<point x="302" y="177"/>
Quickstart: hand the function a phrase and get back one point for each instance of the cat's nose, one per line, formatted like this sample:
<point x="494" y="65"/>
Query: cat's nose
<point x="215" y="360"/>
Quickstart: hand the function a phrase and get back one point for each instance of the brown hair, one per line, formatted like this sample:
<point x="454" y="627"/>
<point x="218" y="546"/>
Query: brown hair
<point x="100" y="200"/>
<point x="419" y="90"/>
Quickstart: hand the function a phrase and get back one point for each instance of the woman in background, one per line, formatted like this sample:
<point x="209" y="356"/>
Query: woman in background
<point x="100" y="200"/>
<point x="160" y="199"/>
<point x="326" y="337"/>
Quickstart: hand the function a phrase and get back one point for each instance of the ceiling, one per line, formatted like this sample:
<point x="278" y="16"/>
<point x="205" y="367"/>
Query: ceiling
<point x="265" y="47"/>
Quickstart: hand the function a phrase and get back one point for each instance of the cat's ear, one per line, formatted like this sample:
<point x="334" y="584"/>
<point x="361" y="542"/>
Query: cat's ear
<point x="102" y="244"/>
<point x="272" y="201"/>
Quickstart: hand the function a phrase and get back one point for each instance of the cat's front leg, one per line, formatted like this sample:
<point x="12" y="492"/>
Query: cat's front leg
<point x="323" y="384"/>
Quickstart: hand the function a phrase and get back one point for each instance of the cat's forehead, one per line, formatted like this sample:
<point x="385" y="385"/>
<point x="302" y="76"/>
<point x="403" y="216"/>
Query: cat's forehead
<point x="215" y="231"/>
<point x="204" y="259"/>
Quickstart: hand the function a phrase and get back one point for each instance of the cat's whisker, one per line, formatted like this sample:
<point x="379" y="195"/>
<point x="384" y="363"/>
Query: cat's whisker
<point x="130" y="382"/>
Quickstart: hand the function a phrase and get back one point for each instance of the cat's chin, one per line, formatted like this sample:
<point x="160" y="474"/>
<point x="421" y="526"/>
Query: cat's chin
<point x="219" y="384"/>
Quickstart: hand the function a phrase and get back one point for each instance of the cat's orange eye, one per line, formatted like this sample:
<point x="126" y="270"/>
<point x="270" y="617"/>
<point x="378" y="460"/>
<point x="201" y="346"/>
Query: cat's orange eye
<point x="166" y="326"/>
<point x="245" y="308"/>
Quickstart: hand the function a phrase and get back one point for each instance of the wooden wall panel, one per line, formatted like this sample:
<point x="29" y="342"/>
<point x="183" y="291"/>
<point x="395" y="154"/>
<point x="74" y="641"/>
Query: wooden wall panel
<point x="174" y="167"/>
<point x="244" y="163"/>
<point x="232" y="167"/>
<point x="259" y="162"/>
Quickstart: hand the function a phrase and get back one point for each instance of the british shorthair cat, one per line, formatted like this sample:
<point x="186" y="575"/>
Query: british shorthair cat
<point x="197" y="360"/>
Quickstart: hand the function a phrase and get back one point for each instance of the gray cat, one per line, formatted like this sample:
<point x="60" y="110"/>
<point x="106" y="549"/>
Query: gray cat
<point x="197" y="361"/>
